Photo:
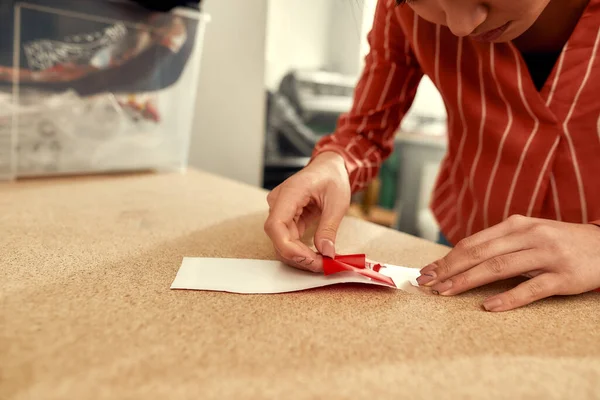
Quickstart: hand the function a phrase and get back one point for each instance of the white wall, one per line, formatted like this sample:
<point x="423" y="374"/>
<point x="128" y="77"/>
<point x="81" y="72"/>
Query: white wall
<point x="369" y="7"/>
<point x="228" y="132"/>
<point x="297" y="36"/>
<point x="346" y="36"/>
<point x="313" y="34"/>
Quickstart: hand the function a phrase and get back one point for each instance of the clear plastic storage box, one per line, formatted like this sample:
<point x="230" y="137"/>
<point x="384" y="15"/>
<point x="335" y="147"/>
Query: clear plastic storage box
<point x="90" y="86"/>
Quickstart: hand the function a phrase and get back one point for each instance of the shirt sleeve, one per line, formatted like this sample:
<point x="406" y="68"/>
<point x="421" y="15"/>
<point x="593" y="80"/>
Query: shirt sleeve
<point x="364" y="136"/>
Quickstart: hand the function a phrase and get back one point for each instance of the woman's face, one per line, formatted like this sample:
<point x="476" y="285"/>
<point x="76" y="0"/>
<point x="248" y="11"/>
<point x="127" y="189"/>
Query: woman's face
<point x="490" y="21"/>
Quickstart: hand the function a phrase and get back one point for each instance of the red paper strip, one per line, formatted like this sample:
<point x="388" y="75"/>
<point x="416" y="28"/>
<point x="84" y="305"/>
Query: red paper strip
<point x="356" y="260"/>
<point x="354" y="264"/>
<point x="331" y="266"/>
<point x="369" y="273"/>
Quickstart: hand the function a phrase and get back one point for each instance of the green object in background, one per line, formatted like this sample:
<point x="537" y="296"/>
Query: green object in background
<point x="388" y="175"/>
<point x="321" y="129"/>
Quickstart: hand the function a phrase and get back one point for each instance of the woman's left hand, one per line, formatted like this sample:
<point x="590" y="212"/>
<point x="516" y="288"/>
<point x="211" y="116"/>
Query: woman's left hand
<point x="560" y="258"/>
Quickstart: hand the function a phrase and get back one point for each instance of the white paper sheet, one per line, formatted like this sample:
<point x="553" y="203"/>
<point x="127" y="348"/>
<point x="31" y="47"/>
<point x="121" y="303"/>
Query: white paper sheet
<point x="262" y="276"/>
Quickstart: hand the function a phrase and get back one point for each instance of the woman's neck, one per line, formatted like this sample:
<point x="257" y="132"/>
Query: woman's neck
<point x="553" y="28"/>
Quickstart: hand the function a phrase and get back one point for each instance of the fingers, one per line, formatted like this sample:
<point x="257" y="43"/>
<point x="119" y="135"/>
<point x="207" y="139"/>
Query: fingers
<point x="281" y="228"/>
<point x="320" y="189"/>
<point x="309" y="215"/>
<point x="470" y="253"/>
<point x="554" y="255"/>
<point x="535" y="289"/>
<point x="334" y="209"/>
<point x="494" y="269"/>
<point x="312" y="265"/>
<point x="272" y="197"/>
<point x="291" y="250"/>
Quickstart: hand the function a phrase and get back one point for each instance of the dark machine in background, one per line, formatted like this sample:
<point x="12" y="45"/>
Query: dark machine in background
<point x="305" y="107"/>
<point x="168" y="5"/>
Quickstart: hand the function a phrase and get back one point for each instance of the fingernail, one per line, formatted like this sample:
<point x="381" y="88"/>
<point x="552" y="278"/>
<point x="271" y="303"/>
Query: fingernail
<point x="443" y="287"/>
<point x="493" y="304"/>
<point x="427" y="268"/>
<point x="426" y="278"/>
<point x="327" y="248"/>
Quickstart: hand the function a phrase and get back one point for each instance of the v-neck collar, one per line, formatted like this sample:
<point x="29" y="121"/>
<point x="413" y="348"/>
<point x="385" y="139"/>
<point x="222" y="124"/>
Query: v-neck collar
<point x="580" y="38"/>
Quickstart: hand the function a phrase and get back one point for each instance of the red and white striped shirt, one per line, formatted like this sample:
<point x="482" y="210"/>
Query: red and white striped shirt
<point x="511" y="148"/>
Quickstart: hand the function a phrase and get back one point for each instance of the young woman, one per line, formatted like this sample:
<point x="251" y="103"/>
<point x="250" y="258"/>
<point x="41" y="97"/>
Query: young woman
<point x="519" y="189"/>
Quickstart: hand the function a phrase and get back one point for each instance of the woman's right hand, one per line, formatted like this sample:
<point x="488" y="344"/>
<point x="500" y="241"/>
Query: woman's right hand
<point x="320" y="191"/>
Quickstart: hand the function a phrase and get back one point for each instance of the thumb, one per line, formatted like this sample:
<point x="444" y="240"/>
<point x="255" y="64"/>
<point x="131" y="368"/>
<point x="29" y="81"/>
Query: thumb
<point x="333" y="211"/>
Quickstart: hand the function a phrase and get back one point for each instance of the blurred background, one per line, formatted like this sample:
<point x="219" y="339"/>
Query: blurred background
<point x="242" y="89"/>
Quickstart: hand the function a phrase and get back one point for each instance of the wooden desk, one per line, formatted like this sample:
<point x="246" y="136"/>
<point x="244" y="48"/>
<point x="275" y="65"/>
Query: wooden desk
<point x="86" y="311"/>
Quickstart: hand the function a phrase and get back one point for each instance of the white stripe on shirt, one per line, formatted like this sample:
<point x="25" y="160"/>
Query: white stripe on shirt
<point x="460" y="110"/>
<point x="541" y="176"/>
<point x="555" y="195"/>
<point x="479" y="145"/>
<point x="555" y="145"/>
<point x="558" y="72"/>
<point x="582" y="200"/>
<point x="509" y="111"/>
<point x="532" y="135"/>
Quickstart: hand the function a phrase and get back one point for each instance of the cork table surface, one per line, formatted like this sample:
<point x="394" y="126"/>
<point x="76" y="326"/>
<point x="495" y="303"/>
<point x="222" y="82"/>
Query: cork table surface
<point x="86" y="311"/>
